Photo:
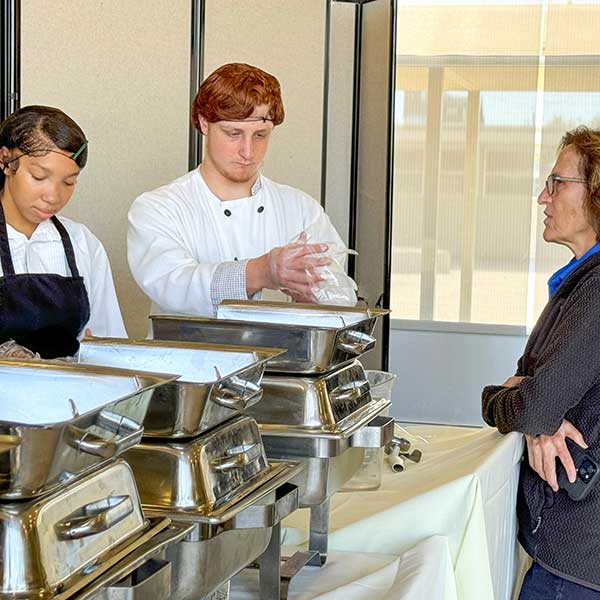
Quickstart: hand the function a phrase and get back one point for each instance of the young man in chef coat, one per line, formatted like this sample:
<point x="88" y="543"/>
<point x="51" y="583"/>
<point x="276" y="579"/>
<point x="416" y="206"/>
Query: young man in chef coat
<point x="223" y="230"/>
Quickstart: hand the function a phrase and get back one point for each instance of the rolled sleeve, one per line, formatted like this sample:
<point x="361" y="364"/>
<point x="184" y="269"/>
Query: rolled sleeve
<point x="228" y="283"/>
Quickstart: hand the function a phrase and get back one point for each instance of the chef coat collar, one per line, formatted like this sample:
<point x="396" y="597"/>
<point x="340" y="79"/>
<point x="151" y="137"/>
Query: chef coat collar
<point x="257" y="185"/>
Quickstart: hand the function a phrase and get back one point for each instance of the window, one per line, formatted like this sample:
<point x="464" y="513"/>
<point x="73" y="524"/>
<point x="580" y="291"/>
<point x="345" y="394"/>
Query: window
<point x="484" y="93"/>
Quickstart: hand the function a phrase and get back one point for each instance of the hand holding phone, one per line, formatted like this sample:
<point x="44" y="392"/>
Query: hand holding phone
<point x="588" y="472"/>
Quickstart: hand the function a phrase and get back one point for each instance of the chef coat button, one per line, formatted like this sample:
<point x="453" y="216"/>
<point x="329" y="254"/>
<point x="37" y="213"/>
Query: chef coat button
<point x="227" y="212"/>
<point x="260" y="209"/>
<point x="235" y="258"/>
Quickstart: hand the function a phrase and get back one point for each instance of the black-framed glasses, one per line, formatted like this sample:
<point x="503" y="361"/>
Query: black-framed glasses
<point x="552" y="179"/>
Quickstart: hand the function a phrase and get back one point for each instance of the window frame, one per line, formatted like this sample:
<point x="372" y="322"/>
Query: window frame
<point x="10" y="61"/>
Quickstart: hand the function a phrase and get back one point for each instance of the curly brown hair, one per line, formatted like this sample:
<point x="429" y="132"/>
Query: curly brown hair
<point x="586" y="142"/>
<point x="233" y="91"/>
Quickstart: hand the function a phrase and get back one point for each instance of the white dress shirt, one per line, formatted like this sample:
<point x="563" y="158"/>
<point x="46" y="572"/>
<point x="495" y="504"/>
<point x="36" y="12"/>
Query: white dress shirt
<point x="44" y="253"/>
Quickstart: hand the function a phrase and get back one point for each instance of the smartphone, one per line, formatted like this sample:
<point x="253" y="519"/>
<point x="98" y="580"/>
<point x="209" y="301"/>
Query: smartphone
<point x="588" y="472"/>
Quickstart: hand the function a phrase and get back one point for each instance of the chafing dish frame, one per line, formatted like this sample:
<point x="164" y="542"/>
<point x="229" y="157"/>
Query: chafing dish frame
<point x="142" y="574"/>
<point x="330" y="461"/>
<point x="254" y="521"/>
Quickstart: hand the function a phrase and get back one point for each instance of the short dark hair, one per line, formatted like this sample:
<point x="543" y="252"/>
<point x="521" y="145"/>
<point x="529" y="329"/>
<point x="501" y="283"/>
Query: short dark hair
<point x="586" y="142"/>
<point x="233" y="91"/>
<point x="41" y="127"/>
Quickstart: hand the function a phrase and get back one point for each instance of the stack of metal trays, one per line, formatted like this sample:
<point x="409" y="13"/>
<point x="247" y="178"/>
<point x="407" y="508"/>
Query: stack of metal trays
<point x="71" y="522"/>
<point x="317" y="405"/>
<point x="202" y="463"/>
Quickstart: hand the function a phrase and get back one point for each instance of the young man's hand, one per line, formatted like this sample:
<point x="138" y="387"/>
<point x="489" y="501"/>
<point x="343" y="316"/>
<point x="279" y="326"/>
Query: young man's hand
<point x="292" y="268"/>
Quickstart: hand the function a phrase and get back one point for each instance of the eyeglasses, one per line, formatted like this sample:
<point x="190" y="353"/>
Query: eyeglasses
<point x="550" y="187"/>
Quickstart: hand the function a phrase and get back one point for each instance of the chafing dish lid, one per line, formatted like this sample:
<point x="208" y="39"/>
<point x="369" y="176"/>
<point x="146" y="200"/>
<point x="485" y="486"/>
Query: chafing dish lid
<point x="287" y="313"/>
<point x="193" y="362"/>
<point x="44" y="393"/>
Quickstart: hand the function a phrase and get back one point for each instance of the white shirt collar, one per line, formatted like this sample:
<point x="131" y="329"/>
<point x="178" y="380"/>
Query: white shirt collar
<point x="45" y="231"/>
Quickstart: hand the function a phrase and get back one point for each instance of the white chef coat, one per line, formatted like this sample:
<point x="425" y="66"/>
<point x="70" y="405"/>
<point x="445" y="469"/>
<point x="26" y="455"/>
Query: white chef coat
<point x="187" y="248"/>
<point x="44" y="253"/>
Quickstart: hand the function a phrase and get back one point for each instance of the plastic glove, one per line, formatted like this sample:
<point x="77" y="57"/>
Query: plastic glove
<point x="294" y="268"/>
<point x="329" y="283"/>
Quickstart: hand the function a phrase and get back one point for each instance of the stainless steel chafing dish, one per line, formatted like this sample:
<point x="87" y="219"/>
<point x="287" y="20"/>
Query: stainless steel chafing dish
<point x="215" y="381"/>
<point x="58" y="421"/>
<point x="223" y="484"/>
<point x="317" y="338"/>
<point x="56" y="545"/>
<point x="327" y="422"/>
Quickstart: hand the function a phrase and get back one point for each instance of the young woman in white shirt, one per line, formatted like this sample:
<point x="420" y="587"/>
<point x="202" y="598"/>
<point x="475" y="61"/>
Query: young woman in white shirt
<point x="55" y="280"/>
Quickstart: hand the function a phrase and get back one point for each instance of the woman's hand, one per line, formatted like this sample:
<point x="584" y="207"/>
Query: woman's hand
<point x="513" y="381"/>
<point x="543" y="450"/>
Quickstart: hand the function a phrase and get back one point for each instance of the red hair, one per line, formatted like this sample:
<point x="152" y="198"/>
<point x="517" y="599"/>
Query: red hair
<point x="233" y="91"/>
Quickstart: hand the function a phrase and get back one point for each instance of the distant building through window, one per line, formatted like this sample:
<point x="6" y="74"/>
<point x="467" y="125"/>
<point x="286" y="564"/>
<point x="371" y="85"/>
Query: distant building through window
<point x="484" y="93"/>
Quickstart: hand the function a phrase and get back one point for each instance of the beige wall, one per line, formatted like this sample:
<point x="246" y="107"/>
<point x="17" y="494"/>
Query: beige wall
<point x="287" y="40"/>
<point x="121" y="69"/>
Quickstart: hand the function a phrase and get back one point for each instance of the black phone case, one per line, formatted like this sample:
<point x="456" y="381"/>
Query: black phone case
<point x="588" y="472"/>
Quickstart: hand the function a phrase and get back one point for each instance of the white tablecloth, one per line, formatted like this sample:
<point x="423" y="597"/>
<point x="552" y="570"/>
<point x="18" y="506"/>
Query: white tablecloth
<point x="460" y="496"/>
<point x="424" y="572"/>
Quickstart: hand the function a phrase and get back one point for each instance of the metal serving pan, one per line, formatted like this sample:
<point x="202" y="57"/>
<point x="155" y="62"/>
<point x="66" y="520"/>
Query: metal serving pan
<point x="318" y="338"/>
<point x="58" y="421"/>
<point x="321" y="403"/>
<point x="207" y="476"/>
<point x="215" y="381"/>
<point x="51" y="541"/>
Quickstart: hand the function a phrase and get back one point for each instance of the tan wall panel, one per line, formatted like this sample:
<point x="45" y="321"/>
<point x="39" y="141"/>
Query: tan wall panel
<point x="287" y="40"/>
<point x="121" y="69"/>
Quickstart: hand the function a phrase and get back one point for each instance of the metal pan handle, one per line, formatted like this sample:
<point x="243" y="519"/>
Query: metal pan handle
<point x="377" y="433"/>
<point x="149" y="581"/>
<point x="346" y="392"/>
<point x="227" y="398"/>
<point x="90" y="443"/>
<point x="236" y="458"/>
<point x="355" y="342"/>
<point x="97" y="517"/>
<point x="9" y="442"/>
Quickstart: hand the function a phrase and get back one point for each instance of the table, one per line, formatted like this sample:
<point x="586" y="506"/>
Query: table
<point x="424" y="572"/>
<point x="461" y="495"/>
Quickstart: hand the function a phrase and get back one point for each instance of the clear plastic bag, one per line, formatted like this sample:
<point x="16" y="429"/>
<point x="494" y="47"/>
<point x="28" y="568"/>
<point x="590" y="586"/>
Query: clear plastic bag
<point x="335" y="287"/>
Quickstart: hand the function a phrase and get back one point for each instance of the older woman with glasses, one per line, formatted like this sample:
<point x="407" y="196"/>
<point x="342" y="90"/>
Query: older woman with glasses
<point x="554" y="397"/>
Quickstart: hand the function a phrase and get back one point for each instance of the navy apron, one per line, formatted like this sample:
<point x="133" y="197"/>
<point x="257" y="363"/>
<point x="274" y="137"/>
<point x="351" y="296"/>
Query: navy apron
<point x="44" y="312"/>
